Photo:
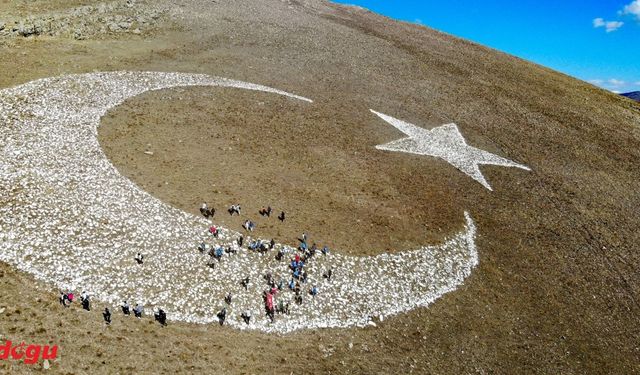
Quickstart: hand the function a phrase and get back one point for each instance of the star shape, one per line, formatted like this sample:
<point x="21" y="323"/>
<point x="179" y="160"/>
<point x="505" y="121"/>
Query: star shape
<point x="444" y="142"/>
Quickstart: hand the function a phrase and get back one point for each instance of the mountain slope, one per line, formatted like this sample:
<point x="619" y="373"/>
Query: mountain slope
<point x="635" y="95"/>
<point x="558" y="283"/>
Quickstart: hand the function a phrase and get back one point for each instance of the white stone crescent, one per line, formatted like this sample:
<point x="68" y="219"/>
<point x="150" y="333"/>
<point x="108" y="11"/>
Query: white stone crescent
<point x="68" y="217"/>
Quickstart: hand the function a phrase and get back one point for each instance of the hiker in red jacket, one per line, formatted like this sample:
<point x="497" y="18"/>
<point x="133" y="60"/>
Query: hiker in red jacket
<point x="213" y="230"/>
<point x="269" y="306"/>
<point x="269" y="301"/>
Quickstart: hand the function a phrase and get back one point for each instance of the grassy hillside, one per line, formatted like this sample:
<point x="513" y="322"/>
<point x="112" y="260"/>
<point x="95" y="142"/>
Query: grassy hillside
<point x="558" y="284"/>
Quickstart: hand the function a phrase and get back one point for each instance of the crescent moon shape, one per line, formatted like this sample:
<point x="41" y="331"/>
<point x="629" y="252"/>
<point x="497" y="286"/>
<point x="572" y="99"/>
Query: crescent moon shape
<point x="67" y="216"/>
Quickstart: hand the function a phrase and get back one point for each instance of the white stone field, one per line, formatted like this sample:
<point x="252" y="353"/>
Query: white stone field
<point x="68" y="217"/>
<point x="444" y="142"/>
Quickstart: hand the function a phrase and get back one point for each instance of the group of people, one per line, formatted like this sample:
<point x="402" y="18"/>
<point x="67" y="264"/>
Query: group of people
<point x="249" y="225"/>
<point x="234" y="209"/>
<point x="67" y="298"/>
<point x="298" y="271"/>
<point x="299" y="275"/>
<point x="297" y="267"/>
<point x="215" y="253"/>
<point x="138" y="310"/>
<point x="206" y="211"/>
<point x="159" y="316"/>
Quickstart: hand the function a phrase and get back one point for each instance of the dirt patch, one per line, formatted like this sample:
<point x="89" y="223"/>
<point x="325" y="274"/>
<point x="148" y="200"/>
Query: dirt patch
<point x="225" y="147"/>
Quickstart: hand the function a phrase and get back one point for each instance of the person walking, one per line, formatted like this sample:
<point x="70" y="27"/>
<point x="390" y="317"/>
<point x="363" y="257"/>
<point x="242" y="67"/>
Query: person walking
<point x="107" y="315"/>
<point x="125" y="308"/>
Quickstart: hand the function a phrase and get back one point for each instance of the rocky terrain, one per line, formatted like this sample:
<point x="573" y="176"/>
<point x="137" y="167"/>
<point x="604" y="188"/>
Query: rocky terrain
<point x="557" y="284"/>
<point x="89" y="21"/>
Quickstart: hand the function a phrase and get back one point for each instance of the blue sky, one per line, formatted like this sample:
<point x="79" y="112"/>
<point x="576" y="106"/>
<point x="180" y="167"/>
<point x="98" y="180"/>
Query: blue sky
<point x="596" y="41"/>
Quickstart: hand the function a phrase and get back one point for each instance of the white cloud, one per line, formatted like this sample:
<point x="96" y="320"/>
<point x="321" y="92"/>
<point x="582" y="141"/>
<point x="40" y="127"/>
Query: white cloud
<point x="608" y="25"/>
<point x="613" y="84"/>
<point x="632" y="9"/>
<point x="615" y="91"/>
<point x="616" y="82"/>
<point x="613" y="25"/>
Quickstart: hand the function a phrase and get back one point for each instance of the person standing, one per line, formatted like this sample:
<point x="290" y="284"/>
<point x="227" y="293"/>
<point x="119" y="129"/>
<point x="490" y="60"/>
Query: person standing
<point x="107" y="315"/>
<point x="222" y="315"/>
<point x="246" y="316"/>
<point x="84" y="298"/>
<point x="125" y="308"/>
<point x="138" y="310"/>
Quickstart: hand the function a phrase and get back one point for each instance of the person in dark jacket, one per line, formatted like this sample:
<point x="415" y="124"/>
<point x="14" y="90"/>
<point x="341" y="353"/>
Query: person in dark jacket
<point x="161" y="317"/>
<point x="327" y="274"/>
<point x="246" y="316"/>
<point x="107" y="315"/>
<point x="84" y="298"/>
<point x="245" y="283"/>
<point x="125" y="308"/>
<point x="222" y="315"/>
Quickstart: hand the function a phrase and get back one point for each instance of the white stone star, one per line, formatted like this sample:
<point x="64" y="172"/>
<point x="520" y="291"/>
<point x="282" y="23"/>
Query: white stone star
<point x="444" y="142"/>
